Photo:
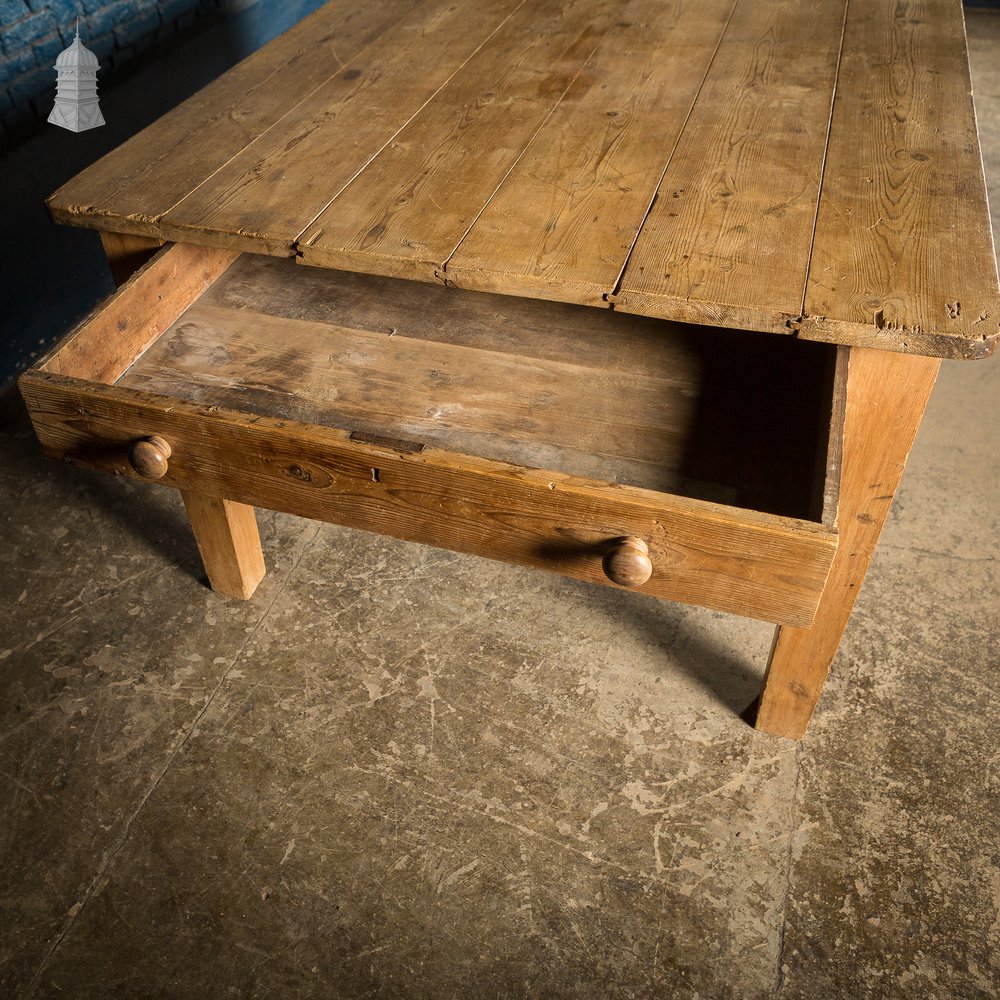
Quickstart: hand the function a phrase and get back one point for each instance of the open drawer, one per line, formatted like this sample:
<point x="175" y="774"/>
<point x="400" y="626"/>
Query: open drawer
<point x="535" y="432"/>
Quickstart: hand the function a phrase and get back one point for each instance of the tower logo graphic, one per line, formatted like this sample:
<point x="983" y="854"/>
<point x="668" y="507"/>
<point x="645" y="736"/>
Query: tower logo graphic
<point x="76" y="106"/>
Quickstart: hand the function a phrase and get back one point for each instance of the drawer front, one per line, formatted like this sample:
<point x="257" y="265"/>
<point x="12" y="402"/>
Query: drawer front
<point x="738" y="561"/>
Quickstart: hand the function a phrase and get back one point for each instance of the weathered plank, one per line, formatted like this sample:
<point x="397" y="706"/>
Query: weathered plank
<point x="903" y="257"/>
<point x="532" y="328"/>
<point x="131" y="187"/>
<point x="728" y="238"/>
<point x="406" y="213"/>
<point x="265" y="196"/>
<point x="564" y="220"/>
<point x="733" y="560"/>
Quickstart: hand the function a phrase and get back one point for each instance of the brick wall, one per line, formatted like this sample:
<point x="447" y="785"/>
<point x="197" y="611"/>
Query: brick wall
<point x="34" y="32"/>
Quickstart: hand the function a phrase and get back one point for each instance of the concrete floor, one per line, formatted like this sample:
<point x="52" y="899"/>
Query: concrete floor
<point x="400" y="772"/>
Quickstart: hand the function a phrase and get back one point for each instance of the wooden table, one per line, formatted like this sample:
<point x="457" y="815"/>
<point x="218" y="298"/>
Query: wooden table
<point x="596" y="201"/>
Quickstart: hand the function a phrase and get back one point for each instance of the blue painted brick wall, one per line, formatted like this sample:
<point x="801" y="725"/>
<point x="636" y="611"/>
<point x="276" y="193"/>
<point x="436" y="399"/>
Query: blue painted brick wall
<point x="34" y="32"/>
<point x="200" y="40"/>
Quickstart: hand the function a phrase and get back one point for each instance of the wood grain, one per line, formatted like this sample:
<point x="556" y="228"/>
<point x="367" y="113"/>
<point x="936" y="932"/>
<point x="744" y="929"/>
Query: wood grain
<point x="130" y="188"/>
<point x="406" y="213"/>
<point x="404" y="126"/>
<point x="150" y="457"/>
<point x="903" y="257"/>
<point x="603" y="424"/>
<point x="886" y="397"/>
<point x="564" y="220"/>
<point x="727" y="241"/>
<point x="121" y="328"/>
<point x="266" y="195"/>
<point x="227" y="537"/>
<point x="733" y="560"/>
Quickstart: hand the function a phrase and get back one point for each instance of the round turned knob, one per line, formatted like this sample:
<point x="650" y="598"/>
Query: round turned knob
<point x="148" y="457"/>
<point x="627" y="562"/>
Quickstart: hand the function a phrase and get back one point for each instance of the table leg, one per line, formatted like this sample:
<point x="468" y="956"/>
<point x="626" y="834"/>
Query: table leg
<point x="126" y="253"/>
<point x="227" y="538"/>
<point x="886" y="397"/>
<point x="226" y="531"/>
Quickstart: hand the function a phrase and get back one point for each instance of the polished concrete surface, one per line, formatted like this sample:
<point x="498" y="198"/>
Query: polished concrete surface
<point x="399" y="772"/>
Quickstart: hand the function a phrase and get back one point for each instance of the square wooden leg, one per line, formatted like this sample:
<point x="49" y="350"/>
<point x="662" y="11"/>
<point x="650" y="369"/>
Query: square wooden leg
<point x="886" y="397"/>
<point x="126" y="254"/>
<point x="227" y="538"/>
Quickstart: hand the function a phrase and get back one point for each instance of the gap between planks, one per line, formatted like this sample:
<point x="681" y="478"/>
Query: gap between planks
<point x="826" y="151"/>
<point x="520" y="156"/>
<point x="609" y="296"/>
<point x="441" y="273"/>
<point x="341" y="68"/>
<point x="388" y="142"/>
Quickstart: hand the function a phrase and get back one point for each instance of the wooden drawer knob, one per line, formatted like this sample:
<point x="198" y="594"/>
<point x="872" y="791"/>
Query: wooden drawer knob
<point x="148" y="456"/>
<point x="627" y="562"/>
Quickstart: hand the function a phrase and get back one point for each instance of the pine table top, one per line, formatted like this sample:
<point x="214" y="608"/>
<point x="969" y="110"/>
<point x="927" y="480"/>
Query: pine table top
<point x="777" y="165"/>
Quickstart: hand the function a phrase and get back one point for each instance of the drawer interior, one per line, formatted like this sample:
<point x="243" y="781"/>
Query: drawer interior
<point x="539" y="433"/>
<point x="719" y="415"/>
